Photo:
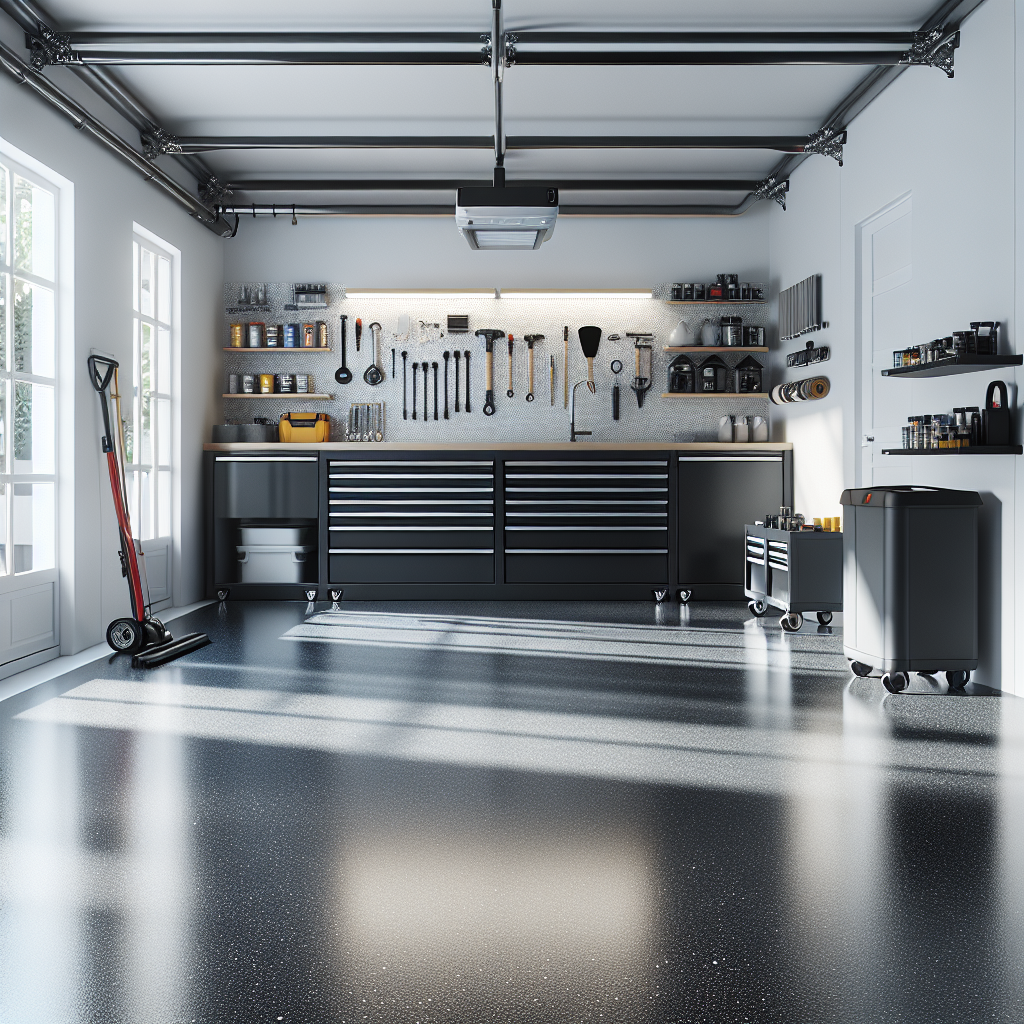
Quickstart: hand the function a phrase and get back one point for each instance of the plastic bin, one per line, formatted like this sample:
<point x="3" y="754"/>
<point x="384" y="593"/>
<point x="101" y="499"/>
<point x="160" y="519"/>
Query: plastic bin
<point x="273" y="563"/>
<point x="278" y="536"/>
<point x="910" y="582"/>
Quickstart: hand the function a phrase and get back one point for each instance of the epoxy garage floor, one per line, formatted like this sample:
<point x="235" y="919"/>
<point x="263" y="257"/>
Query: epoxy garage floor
<point x="510" y="813"/>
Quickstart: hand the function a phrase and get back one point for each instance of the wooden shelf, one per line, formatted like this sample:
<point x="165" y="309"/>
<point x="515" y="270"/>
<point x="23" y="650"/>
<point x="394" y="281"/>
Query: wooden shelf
<point x="715" y="348"/>
<point x="264" y="348"/>
<point x="951" y="365"/>
<point x="293" y="396"/>
<point x="981" y="449"/>
<point x="715" y="302"/>
<point x="713" y="394"/>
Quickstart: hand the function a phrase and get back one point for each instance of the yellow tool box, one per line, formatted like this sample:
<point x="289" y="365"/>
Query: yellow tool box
<point x="304" y="427"/>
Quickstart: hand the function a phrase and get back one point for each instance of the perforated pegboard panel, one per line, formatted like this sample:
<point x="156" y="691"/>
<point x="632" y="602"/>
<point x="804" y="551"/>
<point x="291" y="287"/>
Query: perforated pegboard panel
<point x="660" y="419"/>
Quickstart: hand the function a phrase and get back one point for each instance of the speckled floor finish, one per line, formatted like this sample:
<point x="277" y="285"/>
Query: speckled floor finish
<point x="405" y="813"/>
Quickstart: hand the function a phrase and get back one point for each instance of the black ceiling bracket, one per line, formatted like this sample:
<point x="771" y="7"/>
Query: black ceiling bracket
<point x="510" y="48"/>
<point x="213" y="191"/>
<point x="47" y="46"/>
<point x="158" y="142"/>
<point x="485" y="50"/>
<point x="827" y="142"/>
<point x="772" y="188"/>
<point x="934" y="48"/>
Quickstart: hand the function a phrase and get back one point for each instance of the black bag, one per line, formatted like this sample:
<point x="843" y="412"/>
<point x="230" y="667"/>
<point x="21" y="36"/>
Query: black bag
<point x="997" y="418"/>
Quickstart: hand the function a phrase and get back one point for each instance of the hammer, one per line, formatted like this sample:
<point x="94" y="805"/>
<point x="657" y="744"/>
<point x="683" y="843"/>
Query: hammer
<point x="489" y="334"/>
<point x="530" y="339"/>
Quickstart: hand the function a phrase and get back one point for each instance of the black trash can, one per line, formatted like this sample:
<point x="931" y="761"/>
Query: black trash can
<point x="910" y="582"/>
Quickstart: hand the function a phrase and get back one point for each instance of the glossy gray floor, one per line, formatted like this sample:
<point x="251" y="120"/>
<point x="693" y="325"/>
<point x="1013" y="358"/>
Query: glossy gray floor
<point x="509" y="813"/>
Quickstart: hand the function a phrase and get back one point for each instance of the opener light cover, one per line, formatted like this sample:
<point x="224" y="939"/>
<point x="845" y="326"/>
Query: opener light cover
<point x="506" y="218"/>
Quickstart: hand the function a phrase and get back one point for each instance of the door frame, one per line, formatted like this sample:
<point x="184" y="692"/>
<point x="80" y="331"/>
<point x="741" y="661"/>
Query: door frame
<point x="899" y="207"/>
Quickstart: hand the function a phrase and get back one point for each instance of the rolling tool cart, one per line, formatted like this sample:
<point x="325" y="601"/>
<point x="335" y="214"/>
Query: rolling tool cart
<point x="795" y="571"/>
<point x="143" y="636"/>
<point x="911" y="583"/>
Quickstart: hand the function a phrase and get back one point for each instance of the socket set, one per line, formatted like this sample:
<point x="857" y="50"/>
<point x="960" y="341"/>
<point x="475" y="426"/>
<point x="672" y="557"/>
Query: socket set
<point x="365" y="422"/>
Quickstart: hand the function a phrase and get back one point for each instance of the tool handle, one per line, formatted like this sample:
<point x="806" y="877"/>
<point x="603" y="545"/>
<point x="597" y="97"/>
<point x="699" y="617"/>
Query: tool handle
<point x="590" y="372"/>
<point x="615" y="402"/>
<point x="489" y="371"/>
<point x="530" y="364"/>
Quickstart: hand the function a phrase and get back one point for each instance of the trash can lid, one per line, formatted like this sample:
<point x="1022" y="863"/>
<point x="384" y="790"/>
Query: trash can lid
<point x="908" y="496"/>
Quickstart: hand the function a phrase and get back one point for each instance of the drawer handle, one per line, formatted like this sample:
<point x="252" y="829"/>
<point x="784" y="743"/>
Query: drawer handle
<point x="363" y="502"/>
<point x="265" y="458"/>
<point x="410" y="529"/>
<point x="730" y="458"/>
<point x="617" y="529"/>
<point x="586" y="476"/>
<point x="411" y="476"/>
<point x="589" y="463"/>
<point x="411" y="515"/>
<point x="755" y="561"/>
<point x="410" y="551"/>
<point x="419" y="463"/>
<point x="411" y="490"/>
<point x="582" y="515"/>
<point x="586" y="551"/>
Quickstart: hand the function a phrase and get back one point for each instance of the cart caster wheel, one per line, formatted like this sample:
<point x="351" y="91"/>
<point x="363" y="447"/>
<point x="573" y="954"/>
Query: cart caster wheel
<point x="958" y="680"/>
<point x="791" y="621"/>
<point x="336" y="595"/>
<point x="895" y="682"/>
<point x="310" y="595"/>
<point x="660" y="596"/>
<point x="126" y="636"/>
<point x="222" y="595"/>
<point x="860" y="669"/>
<point x="757" y="608"/>
<point x="684" y="596"/>
<point x="824" y="618"/>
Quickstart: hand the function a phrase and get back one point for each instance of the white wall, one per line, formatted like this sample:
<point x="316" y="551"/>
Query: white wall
<point x="108" y="198"/>
<point x="951" y="145"/>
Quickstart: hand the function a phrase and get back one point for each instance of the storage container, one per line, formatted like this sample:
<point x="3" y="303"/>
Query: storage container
<point x="277" y="536"/>
<point x="274" y="563"/>
<point x="911" y="582"/>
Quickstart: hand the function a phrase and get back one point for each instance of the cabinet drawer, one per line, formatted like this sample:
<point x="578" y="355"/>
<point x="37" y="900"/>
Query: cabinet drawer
<point x="266" y="487"/>
<point x="585" y="536"/>
<point x="410" y="566"/>
<point x="582" y="566"/>
<point x="411" y="537"/>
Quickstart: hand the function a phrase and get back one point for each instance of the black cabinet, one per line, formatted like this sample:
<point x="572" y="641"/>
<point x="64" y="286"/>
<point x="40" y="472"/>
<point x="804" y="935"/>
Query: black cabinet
<point x="717" y="495"/>
<point x="266" y="487"/>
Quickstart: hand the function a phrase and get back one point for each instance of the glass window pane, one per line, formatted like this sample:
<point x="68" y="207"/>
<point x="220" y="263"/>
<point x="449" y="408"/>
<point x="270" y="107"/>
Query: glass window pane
<point x="3" y="213"/>
<point x="4" y="491"/>
<point x="146" y="355"/>
<point x="163" y="308"/>
<point x="135" y="276"/>
<point x="144" y="527"/>
<point x="146" y="284"/>
<point x="34" y="522"/>
<point x="3" y="426"/>
<point x="34" y="422"/>
<point x="146" y="433"/>
<point x="34" y="329"/>
<point x="164" y="514"/>
<point x="33" y="228"/>
<point x="163" y="361"/>
<point x="163" y="431"/>
<point x="4" y="291"/>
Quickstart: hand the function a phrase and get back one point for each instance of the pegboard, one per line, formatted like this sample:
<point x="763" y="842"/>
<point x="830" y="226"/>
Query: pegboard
<point x="515" y="419"/>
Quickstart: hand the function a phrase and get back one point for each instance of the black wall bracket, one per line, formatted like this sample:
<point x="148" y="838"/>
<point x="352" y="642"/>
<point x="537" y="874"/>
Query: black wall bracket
<point x="772" y="188"/>
<point x="808" y="355"/>
<point x="158" y="142"/>
<point x="50" y="47"/>
<point x="827" y="142"/>
<point x="213" y="190"/>
<point x="934" y="48"/>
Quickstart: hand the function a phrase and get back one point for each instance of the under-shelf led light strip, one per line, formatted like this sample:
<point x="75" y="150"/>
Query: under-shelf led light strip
<point x="493" y="293"/>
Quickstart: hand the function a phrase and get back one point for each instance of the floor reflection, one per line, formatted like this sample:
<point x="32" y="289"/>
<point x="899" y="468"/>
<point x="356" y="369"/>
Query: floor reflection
<point x="568" y="812"/>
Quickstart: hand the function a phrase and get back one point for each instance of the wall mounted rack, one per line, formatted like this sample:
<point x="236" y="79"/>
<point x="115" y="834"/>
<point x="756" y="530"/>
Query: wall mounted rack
<point x="714" y="348"/>
<point x="953" y="364"/>
<point x="715" y="302"/>
<point x="981" y="449"/>
<point x="279" y="348"/>
<point x="713" y="394"/>
<point x="293" y="395"/>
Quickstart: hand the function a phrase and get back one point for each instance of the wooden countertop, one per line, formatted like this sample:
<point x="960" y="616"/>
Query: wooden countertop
<point x="504" y="446"/>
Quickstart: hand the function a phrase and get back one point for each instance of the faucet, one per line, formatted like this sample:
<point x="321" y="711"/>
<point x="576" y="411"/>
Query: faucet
<point x="573" y="432"/>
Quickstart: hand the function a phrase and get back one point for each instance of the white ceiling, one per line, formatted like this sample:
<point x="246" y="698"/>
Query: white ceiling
<point x="319" y="100"/>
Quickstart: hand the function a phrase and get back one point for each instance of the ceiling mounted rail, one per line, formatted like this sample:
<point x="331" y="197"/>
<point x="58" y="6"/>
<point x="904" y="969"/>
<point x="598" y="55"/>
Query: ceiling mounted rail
<point x="294" y="210"/>
<point x="450" y="184"/>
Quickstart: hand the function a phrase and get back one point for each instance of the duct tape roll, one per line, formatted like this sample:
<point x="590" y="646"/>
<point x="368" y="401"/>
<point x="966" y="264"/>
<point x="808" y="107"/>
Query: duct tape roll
<point x="809" y="389"/>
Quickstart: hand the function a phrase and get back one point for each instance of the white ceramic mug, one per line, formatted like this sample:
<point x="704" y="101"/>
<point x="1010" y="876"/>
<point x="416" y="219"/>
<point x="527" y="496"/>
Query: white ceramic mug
<point x="725" y="429"/>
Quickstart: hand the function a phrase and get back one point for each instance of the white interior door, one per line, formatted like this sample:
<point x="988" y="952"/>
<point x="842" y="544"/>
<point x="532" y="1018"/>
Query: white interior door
<point x="886" y="282"/>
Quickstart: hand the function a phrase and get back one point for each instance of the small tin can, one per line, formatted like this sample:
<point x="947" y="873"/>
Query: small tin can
<point x="688" y="292"/>
<point x="233" y="383"/>
<point x="273" y="336"/>
<point x="302" y="383"/>
<point x="698" y="293"/>
<point x="308" y="336"/>
<point x="248" y="383"/>
<point x="321" y="334"/>
<point x="266" y="383"/>
<point x="291" y="335"/>
<point x="676" y="293"/>
<point x="236" y="335"/>
<point x="285" y="384"/>
<point x="256" y="335"/>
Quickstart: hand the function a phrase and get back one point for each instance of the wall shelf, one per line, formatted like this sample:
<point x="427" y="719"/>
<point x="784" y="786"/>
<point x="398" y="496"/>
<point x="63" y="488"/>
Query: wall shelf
<point x="715" y="302"/>
<point x="981" y="449"/>
<point x="263" y="348"/>
<point x="713" y="394"/>
<point x="715" y="348"/>
<point x="296" y="395"/>
<point x="953" y="364"/>
<point x="248" y="309"/>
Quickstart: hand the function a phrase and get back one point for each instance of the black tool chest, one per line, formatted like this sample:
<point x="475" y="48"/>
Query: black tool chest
<point x="524" y="524"/>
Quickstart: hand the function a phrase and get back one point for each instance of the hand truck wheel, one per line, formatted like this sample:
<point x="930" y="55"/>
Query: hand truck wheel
<point x="126" y="636"/>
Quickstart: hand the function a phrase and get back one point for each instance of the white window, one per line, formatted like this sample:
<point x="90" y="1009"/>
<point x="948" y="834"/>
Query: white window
<point x="28" y="341"/>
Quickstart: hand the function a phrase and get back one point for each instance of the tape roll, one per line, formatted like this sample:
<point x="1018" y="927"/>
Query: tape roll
<point x="809" y="389"/>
